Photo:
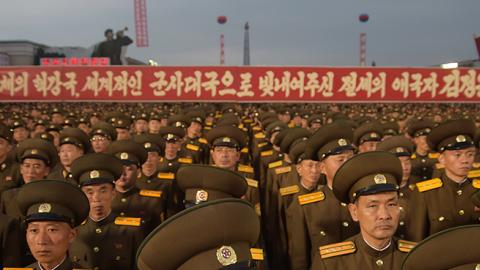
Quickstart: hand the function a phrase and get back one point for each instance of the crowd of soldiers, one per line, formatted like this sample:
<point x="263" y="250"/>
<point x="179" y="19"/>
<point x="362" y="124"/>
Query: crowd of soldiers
<point x="239" y="186"/>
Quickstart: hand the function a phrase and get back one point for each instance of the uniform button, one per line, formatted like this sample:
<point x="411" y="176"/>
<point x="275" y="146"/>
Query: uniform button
<point x="461" y="212"/>
<point x="401" y="208"/>
<point x="96" y="249"/>
<point x="401" y="194"/>
<point x="170" y="164"/>
<point x="459" y="192"/>
<point x="424" y="168"/>
<point x="345" y="224"/>
<point x="343" y="204"/>
<point x="122" y="214"/>
<point x="322" y="233"/>
<point x="117" y="258"/>
<point x="124" y="200"/>
<point x="149" y="181"/>
<point x="98" y="230"/>
<point x="423" y="160"/>
<point x="379" y="262"/>
<point x="441" y="219"/>
<point x="402" y="223"/>
<point x="96" y="268"/>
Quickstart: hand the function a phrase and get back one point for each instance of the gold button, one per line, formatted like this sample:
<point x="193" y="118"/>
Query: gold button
<point x="441" y="219"/>
<point x="459" y="192"/>
<point x="117" y="258"/>
<point x="401" y="194"/>
<point x="322" y="233"/>
<point x="345" y="224"/>
<point x="124" y="200"/>
<point x="170" y="164"/>
<point x="423" y="160"/>
<point x="149" y="181"/>
<point x="98" y="230"/>
<point x="402" y="223"/>
<point x="122" y="214"/>
<point x="461" y="212"/>
<point x="401" y="208"/>
<point x="96" y="249"/>
<point x="477" y="267"/>
<point x="379" y="262"/>
<point x="343" y="204"/>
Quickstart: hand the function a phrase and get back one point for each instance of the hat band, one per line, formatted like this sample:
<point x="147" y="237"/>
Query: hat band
<point x="374" y="189"/>
<point x="335" y="151"/>
<point x="97" y="181"/>
<point x="49" y="217"/>
<point x="457" y="146"/>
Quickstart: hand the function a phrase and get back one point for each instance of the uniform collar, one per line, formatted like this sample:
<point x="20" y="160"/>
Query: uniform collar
<point x="56" y="267"/>
<point x="363" y="246"/>
<point x="450" y="182"/>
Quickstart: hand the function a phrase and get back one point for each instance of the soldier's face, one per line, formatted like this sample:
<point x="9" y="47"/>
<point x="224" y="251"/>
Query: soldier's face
<point x="309" y="171"/>
<point x="69" y="153"/>
<point x="84" y="127"/>
<point x="329" y="166"/>
<point x="421" y="143"/>
<point x="99" y="143"/>
<point x="458" y="162"/>
<point x="56" y="137"/>
<point x="128" y="177"/>
<point x="123" y="134"/>
<point x="57" y="118"/>
<point x="5" y="147"/>
<point x="152" y="160"/>
<point x="367" y="146"/>
<point x="49" y="241"/>
<point x="406" y="167"/>
<point x="100" y="198"/>
<point x="141" y="126"/>
<point x="171" y="148"/>
<point x="194" y="130"/>
<point x="20" y="134"/>
<point x="39" y="129"/>
<point x="377" y="214"/>
<point x="33" y="169"/>
<point x="154" y="126"/>
<point x="225" y="157"/>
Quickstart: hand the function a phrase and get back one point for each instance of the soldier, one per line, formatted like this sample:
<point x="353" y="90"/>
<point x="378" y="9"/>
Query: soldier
<point x="367" y="136"/>
<point x="149" y="178"/>
<point x="195" y="144"/>
<point x="229" y="228"/>
<point x="455" y="248"/>
<point x="101" y="136"/>
<point x="104" y="241"/>
<point x="51" y="221"/>
<point x="368" y="183"/>
<point x="9" y="169"/>
<point x="74" y="143"/>
<point x="10" y="250"/>
<point x="444" y="202"/>
<point x="141" y="124"/>
<point x="307" y="223"/>
<point x="423" y="160"/>
<point x="131" y="201"/>
<point x="20" y="131"/>
<point x="154" y="123"/>
<point x="84" y="125"/>
<point x="122" y="127"/>
<point x="37" y="158"/>
<point x="57" y="116"/>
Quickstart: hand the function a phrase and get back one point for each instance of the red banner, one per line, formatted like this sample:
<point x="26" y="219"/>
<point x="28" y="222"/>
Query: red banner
<point x="239" y="84"/>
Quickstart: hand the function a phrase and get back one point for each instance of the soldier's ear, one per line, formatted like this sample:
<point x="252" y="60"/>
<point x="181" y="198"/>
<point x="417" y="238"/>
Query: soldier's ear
<point x="298" y="167"/>
<point x="352" y="208"/>
<point x="441" y="158"/>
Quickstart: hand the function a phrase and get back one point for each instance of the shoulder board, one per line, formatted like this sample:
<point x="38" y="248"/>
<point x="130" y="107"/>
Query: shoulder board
<point x="262" y="144"/>
<point x="244" y="150"/>
<point x="252" y="182"/>
<point x="203" y="140"/>
<point x="266" y="153"/>
<point x="128" y="221"/>
<point x="192" y="147"/>
<point x="185" y="160"/>
<point x="245" y="129"/>
<point x="245" y="168"/>
<point x="439" y="166"/>
<point x="291" y="125"/>
<point x="405" y="246"/>
<point x="259" y="135"/>
<point x="257" y="254"/>
<point x="209" y="123"/>
<point x="256" y="128"/>
<point x="16" y="268"/>
<point x="476" y="165"/>
<point x="163" y="175"/>
<point x="282" y="170"/>
<point x="476" y="183"/>
<point x="207" y="128"/>
<point x="429" y="184"/>
<point x="248" y="121"/>
<point x="412" y="187"/>
<point x="311" y="198"/>
<point x="84" y="222"/>
<point x="473" y="174"/>
<point x="275" y="164"/>
<point x="289" y="190"/>
<point x="161" y="160"/>
<point x="151" y="193"/>
<point x="241" y="126"/>
<point x="337" y="249"/>
<point x="413" y="156"/>
<point x="433" y="155"/>
<point x="258" y="210"/>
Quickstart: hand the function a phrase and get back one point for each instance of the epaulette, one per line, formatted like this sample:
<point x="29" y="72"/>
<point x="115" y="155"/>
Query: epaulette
<point x="151" y="193"/>
<point x="203" y="140"/>
<point x="209" y="124"/>
<point x="244" y="150"/>
<point x="311" y="197"/>
<point x="337" y="249"/>
<point x="207" y="128"/>
<point x="405" y="246"/>
<point x="161" y="160"/>
<point x="252" y="182"/>
<point x="258" y="210"/>
<point x="266" y="153"/>
<point x="257" y="254"/>
<point x="245" y="168"/>
<point x="289" y="190"/>
<point x="248" y="121"/>
<point x="413" y="156"/>
<point x="433" y="155"/>
<point x="473" y="174"/>
<point x="283" y="170"/>
<point x="84" y="222"/>
<point x="166" y="176"/>
<point x="16" y="268"/>
<point x="185" y="160"/>
<point x="192" y="147"/>
<point x="128" y="221"/>
<point x="256" y="128"/>
<point x="429" y="184"/>
<point x="291" y="125"/>
<point x="241" y="126"/>
<point x="275" y="164"/>
<point x="259" y="135"/>
<point x="439" y="166"/>
<point x="476" y="183"/>
<point x="260" y="145"/>
<point x="476" y="165"/>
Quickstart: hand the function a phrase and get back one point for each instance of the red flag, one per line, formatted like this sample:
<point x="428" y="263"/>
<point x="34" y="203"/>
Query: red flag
<point x="477" y="43"/>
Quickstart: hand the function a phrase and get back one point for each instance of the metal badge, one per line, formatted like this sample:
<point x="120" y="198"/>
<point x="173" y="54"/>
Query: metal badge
<point x="99" y="131"/>
<point x="201" y="196"/>
<point x="460" y="139"/>
<point x="94" y="174"/>
<point x="147" y="145"/>
<point x="374" y="135"/>
<point x="226" y="139"/>
<point x="44" y="136"/>
<point x="44" y="208"/>
<point x="380" y="179"/>
<point x="226" y="255"/>
<point x="342" y="142"/>
<point x="124" y="156"/>
<point x="170" y="136"/>
<point x="399" y="150"/>
<point x="34" y="151"/>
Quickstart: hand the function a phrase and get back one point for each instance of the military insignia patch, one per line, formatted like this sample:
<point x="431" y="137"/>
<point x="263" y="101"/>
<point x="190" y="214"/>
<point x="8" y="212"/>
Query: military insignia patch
<point x="226" y="255"/>
<point x="44" y="208"/>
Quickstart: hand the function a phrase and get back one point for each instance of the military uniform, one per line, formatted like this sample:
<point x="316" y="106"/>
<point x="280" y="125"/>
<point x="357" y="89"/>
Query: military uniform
<point x="67" y="264"/>
<point x="423" y="166"/>
<point x="9" y="169"/>
<point x="10" y="254"/>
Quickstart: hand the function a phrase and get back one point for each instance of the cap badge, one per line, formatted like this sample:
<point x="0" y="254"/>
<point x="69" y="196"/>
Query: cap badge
<point x="201" y="196"/>
<point x="380" y="179"/>
<point x="99" y="131"/>
<point x="120" y="122"/>
<point x="399" y="150"/>
<point x="44" y="208"/>
<point x="34" y="152"/>
<point x="374" y="135"/>
<point x="123" y="156"/>
<point x="44" y="136"/>
<point x="226" y="255"/>
<point x="67" y="139"/>
<point x="427" y="130"/>
<point x="94" y="174"/>
<point x="226" y="139"/>
<point x="16" y="123"/>
<point x="170" y="136"/>
<point x="342" y="142"/>
<point x="460" y="139"/>
<point x="178" y="124"/>
<point x="147" y="145"/>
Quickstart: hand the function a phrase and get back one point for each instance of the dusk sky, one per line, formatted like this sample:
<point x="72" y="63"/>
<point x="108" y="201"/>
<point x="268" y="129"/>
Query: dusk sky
<point x="283" y="32"/>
